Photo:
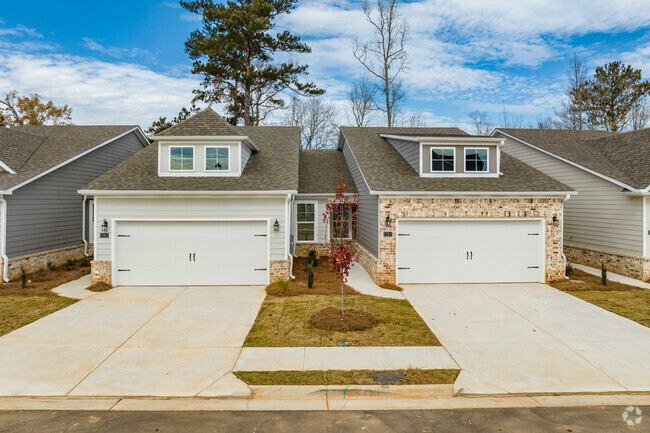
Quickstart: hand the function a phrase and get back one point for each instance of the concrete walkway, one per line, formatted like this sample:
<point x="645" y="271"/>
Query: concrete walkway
<point x="343" y="358"/>
<point x="532" y="338"/>
<point x="134" y="341"/>
<point x="362" y="282"/>
<point x="612" y="276"/>
<point x="75" y="289"/>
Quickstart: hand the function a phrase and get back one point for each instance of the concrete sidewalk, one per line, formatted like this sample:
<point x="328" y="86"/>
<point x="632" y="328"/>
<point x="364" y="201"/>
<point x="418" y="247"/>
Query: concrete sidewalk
<point x="362" y="282"/>
<point x="75" y="289"/>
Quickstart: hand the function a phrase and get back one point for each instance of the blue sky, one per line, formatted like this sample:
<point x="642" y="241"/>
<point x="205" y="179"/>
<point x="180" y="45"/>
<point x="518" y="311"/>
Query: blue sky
<point x="124" y="61"/>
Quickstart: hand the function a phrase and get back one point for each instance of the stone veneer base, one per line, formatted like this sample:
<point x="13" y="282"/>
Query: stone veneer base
<point x="624" y="264"/>
<point x="37" y="261"/>
<point x="302" y="249"/>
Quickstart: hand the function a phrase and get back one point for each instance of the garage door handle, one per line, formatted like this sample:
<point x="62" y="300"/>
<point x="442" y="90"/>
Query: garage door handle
<point x="466" y="255"/>
<point x="190" y="257"/>
<point x="471" y="255"/>
<point x="194" y="257"/>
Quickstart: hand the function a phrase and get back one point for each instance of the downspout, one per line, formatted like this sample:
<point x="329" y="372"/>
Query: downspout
<point x="567" y="197"/>
<point x="290" y="228"/>
<point x="83" y="226"/>
<point x="3" y="247"/>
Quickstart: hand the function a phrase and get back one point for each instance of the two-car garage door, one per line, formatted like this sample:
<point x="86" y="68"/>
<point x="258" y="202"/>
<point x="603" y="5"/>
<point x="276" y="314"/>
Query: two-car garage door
<point x="470" y="251"/>
<point x="173" y="253"/>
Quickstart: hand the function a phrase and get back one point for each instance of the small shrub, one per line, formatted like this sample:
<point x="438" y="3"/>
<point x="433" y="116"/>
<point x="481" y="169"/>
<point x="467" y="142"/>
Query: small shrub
<point x="313" y="258"/>
<point x="71" y="265"/>
<point x="310" y="275"/>
<point x="603" y="274"/>
<point x="50" y="266"/>
<point x="23" y="277"/>
<point x="84" y="262"/>
<point x="569" y="269"/>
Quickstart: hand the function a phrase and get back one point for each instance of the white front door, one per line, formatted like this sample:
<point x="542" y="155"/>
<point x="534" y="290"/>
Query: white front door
<point x="179" y="253"/>
<point x="470" y="251"/>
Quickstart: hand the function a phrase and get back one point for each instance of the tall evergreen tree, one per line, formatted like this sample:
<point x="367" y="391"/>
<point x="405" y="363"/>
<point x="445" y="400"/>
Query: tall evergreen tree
<point x="234" y="52"/>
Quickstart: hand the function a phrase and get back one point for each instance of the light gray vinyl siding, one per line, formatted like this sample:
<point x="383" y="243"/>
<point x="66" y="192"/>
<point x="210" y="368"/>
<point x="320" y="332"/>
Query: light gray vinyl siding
<point x="409" y="151"/>
<point x="46" y="214"/>
<point x="245" y="154"/>
<point x="368" y="214"/>
<point x="174" y="208"/>
<point x="600" y="216"/>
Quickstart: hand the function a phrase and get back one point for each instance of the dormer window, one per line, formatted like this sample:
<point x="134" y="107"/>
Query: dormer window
<point x="181" y="158"/>
<point x="476" y="160"/>
<point x="443" y="159"/>
<point x="217" y="158"/>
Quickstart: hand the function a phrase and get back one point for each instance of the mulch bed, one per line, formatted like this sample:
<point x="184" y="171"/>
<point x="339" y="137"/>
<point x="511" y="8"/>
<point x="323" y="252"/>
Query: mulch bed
<point x="330" y="319"/>
<point x="42" y="282"/>
<point x="582" y="281"/>
<point x="325" y="281"/>
<point x="99" y="287"/>
<point x="389" y="286"/>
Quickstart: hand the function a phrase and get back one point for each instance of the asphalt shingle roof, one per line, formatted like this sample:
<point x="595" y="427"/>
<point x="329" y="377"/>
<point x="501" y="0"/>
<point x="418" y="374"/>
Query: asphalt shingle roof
<point x="624" y="156"/>
<point x="385" y="170"/>
<point x="31" y="150"/>
<point x="320" y="170"/>
<point x="205" y="122"/>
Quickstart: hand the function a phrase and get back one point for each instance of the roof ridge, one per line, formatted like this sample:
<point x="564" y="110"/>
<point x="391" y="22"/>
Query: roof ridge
<point x="206" y="111"/>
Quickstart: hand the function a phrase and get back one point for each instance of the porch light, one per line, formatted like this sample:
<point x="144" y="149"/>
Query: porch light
<point x="388" y="221"/>
<point x="276" y="226"/>
<point x="105" y="226"/>
<point x="556" y="221"/>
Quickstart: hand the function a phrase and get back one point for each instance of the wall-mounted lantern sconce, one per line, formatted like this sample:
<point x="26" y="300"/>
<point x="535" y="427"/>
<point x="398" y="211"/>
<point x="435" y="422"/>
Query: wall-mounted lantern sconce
<point x="105" y="226"/>
<point x="388" y="221"/>
<point x="276" y="226"/>
<point x="556" y="221"/>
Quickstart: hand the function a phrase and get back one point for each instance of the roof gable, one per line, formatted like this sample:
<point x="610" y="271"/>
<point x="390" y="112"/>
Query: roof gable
<point x="204" y="123"/>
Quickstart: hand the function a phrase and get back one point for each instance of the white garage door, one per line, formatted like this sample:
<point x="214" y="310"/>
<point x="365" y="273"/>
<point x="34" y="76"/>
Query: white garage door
<point x="175" y="253"/>
<point x="469" y="251"/>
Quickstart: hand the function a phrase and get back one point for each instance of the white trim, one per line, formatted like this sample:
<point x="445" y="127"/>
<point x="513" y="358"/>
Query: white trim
<point x="114" y="222"/>
<point x="287" y="224"/>
<point x="431" y="170"/>
<point x="205" y="159"/>
<point x="541" y="220"/>
<point x="446" y="174"/>
<point x="472" y="139"/>
<point x="83" y="224"/>
<point x="477" y="194"/>
<point x="588" y="170"/>
<point x="96" y="200"/>
<point x="137" y="130"/>
<point x="3" y="241"/>
<point x="476" y="172"/>
<point x="315" y="203"/>
<point x="6" y="168"/>
<point x="186" y="146"/>
<point x="180" y="193"/>
<point x="646" y="229"/>
<point x="207" y="139"/>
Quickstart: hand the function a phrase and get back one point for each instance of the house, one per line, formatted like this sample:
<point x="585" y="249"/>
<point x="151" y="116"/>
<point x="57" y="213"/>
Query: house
<point x="608" y="221"/>
<point x="44" y="221"/>
<point x="209" y="203"/>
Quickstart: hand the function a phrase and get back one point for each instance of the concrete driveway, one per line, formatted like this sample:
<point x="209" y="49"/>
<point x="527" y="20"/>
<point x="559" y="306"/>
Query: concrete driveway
<point x="532" y="338"/>
<point x="145" y="341"/>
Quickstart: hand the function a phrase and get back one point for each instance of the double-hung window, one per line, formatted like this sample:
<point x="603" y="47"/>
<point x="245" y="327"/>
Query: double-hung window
<point x="306" y="222"/>
<point x="442" y="159"/>
<point x="181" y="158"/>
<point x="341" y="223"/>
<point x="217" y="158"/>
<point x="476" y="160"/>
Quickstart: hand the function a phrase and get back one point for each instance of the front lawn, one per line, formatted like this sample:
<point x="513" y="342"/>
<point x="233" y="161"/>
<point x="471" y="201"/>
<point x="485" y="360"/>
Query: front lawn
<point x="284" y="318"/>
<point x="345" y="377"/>
<point x="627" y="301"/>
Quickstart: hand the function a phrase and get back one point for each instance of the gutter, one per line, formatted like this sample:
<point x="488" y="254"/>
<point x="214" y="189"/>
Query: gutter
<point x="290" y="229"/>
<point x="3" y="244"/>
<point x="180" y="193"/>
<point x="568" y="196"/>
<point x="83" y="225"/>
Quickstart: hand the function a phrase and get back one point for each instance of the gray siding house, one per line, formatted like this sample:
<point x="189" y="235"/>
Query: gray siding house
<point x="44" y="220"/>
<point x="607" y="221"/>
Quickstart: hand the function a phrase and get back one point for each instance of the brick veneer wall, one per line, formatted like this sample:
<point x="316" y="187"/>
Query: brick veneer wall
<point x="279" y="270"/>
<point x="632" y="266"/>
<point x="468" y="208"/>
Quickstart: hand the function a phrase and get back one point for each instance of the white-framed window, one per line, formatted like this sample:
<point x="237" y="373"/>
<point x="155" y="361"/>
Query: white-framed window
<point x="443" y="159"/>
<point x="342" y="224"/>
<point x="476" y="160"/>
<point x="217" y="158"/>
<point x="181" y="158"/>
<point x="306" y="224"/>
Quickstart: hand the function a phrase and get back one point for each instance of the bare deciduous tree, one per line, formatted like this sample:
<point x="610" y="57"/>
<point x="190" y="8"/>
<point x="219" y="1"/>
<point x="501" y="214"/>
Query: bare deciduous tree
<point x="384" y="57"/>
<point x="316" y="119"/>
<point x="547" y="122"/>
<point x="412" y="120"/>
<point x="573" y="112"/>
<point x="361" y="97"/>
<point x="481" y="123"/>
<point x="640" y="114"/>
<point x="509" y="120"/>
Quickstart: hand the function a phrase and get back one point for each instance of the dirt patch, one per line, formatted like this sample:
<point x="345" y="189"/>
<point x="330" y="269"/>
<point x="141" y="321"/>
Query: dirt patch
<point x="325" y="281"/>
<point x="42" y="282"/>
<point x="99" y="287"/>
<point x="330" y="319"/>
<point x="389" y="286"/>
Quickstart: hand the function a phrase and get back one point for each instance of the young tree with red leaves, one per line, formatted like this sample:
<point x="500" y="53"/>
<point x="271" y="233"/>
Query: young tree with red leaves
<point x="341" y="217"/>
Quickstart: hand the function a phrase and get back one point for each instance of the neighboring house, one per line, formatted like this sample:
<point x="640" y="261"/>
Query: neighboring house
<point x="44" y="220"/>
<point x="608" y="221"/>
<point x="209" y="203"/>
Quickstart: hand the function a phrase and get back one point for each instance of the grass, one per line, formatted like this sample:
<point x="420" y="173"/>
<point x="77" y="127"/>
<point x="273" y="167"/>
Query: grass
<point x="627" y="301"/>
<point x="344" y="377"/>
<point x="18" y="310"/>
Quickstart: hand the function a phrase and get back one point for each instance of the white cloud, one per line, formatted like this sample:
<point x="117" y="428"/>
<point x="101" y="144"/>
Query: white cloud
<point x="19" y="30"/>
<point x="98" y="92"/>
<point x="116" y="52"/>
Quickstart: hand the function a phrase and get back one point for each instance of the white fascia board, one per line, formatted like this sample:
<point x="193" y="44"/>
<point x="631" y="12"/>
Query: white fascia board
<point x="445" y="140"/>
<point x="6" y="168"/>
<point x="588" y="170"/>
<point x="74" y="158"/>
<point x="207" y="138"/>
<point x="400" y="137"/>
<point x="473" y="194"/>
<point x="142" y="193"/>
